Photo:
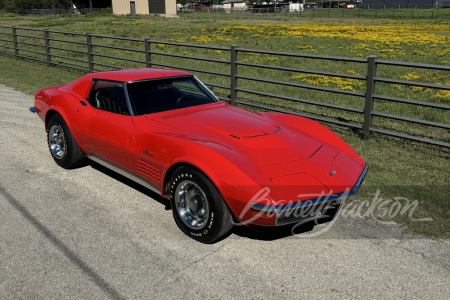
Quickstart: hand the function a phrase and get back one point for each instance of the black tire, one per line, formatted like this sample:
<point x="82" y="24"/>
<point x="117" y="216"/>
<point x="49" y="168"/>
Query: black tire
<point x="63" y="147"/>
<point x="198" y="208"/>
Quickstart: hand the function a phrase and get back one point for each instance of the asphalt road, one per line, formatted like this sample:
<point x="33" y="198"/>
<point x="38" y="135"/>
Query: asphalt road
<point x="89" y="234"/>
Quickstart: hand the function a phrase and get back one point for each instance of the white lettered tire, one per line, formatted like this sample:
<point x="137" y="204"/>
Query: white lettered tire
<point x="198" y="208"/>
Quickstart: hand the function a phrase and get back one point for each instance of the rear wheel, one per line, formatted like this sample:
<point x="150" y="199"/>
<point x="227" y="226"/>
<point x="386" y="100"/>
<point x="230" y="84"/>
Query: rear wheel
<point x="197" y="206"/>
<point x="63" y="147"/>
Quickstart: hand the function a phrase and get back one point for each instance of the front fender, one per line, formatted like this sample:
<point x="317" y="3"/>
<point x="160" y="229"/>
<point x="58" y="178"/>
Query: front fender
<point x="238" y="185"/>
<point x="236" y="180"/>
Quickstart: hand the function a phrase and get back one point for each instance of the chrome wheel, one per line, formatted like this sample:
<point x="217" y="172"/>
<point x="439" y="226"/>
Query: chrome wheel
<point x="197" y="206"/>
<point x="191" y="204"/>
<point x="57" y="141"/>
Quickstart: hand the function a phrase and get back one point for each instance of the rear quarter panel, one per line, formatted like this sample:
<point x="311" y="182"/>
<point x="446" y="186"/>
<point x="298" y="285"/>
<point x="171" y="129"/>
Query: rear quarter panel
<point x="50" y="100"/>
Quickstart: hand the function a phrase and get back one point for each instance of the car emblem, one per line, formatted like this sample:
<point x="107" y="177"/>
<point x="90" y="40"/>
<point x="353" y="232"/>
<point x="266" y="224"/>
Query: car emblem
<point x="147" y="153"/>
<point x="332" y="173"/>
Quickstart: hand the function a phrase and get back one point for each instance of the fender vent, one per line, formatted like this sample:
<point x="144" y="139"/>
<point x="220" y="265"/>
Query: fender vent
<point x="148" y="169"/>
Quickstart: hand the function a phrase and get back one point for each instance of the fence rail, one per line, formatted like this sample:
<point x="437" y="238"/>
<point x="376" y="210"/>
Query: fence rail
<point x="79" y="51"/>
<point x="392" y="11"/>
<point x="59" y="11"/>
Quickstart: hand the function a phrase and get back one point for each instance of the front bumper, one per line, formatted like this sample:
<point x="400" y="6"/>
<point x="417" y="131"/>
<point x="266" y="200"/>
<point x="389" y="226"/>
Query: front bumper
<point x="307" y="210"/>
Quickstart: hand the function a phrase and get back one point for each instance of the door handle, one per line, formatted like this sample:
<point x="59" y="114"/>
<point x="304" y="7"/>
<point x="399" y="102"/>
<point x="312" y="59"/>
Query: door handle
<point x="83" y="103"/>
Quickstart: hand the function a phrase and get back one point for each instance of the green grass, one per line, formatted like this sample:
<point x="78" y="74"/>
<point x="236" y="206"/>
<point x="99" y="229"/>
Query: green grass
<point x="343" y="14"/>
<point x="398" y="168"/>
<point x="423" y="41"/>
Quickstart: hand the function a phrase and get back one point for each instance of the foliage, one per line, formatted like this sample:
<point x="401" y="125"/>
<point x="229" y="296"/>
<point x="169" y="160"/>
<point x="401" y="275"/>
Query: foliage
<point x="7" y="4"/>
<point x="184" y="2"/>
<point x="102" y="13"/>
<point x="33" y="4"/>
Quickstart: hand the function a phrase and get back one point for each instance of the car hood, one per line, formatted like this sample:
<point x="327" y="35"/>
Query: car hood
<point x="253" y="136"/>
<point x="294" y="164"/>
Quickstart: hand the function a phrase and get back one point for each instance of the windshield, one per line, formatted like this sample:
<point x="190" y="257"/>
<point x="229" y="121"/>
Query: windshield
<point x="153" y="96"/>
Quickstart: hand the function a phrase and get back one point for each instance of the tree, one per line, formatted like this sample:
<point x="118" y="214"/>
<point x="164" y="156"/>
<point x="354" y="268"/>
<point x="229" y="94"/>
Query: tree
<point x="56" y="3"/>
<point x="7" y="4"/>
<point x="37" y="4"/>
<point x="27" y="4"/>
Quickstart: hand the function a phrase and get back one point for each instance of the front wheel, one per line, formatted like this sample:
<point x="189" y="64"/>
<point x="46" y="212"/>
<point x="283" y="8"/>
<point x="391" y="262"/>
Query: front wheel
<point x="63" y="147"/>
<point x="197" y="206"/>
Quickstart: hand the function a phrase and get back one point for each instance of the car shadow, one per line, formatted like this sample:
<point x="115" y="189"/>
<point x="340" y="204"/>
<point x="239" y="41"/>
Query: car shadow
<point x="252" y="232"/>
<point x="147" y="192"/>
<point x="272" y="233"/>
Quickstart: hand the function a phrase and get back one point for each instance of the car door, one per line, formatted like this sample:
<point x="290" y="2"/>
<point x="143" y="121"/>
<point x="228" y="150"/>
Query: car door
<point x="105" y="127"/>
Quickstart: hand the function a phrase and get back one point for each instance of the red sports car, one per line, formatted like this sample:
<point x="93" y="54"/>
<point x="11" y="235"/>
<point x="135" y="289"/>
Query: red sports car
<point x="219" y="165"/>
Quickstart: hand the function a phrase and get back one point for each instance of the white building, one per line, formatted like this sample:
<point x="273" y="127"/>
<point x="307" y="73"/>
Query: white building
<point x="230" y="5"/>
<point x="144" y="7"/>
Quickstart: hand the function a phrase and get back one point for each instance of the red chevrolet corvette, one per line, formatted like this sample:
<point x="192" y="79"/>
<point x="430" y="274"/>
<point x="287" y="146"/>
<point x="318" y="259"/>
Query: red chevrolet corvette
<point x="218" y="164"/>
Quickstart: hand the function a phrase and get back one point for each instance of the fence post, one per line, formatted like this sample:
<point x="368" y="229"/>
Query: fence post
<point x="148" y="57"/>
<point x="16" y="45"/>
<point x="233" y="79"/>
<point x="89" y="51"/>
<point x="47" y="46"/>
<point x="370" y="91"/>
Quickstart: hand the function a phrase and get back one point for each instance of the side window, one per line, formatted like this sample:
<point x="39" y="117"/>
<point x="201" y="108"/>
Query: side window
<point x="109" y="96"/>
